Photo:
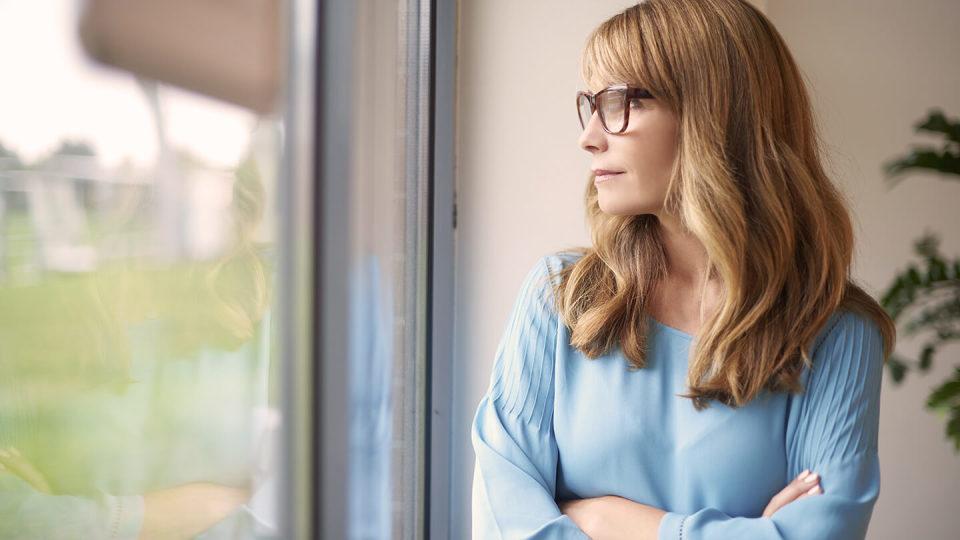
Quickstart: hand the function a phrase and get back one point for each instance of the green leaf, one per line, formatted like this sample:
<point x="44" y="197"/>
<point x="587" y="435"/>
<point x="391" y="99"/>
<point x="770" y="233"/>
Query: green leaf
<point x="945" y="334"/>
<point x="937" y="122"/>
<point x="914" y="276"/>
<point x="897" y="368"/>
<point x="953" y="427"/>
<point x="889" y="299"/>
<point x="926" y="357"/>
<point x="925" y="159"/>
<point x="927" y="246"/>
<point x="945" y="160"/>
<point x="946" y="393"/>
<point x="938" y="316"/>
<point x="937" y="270"/>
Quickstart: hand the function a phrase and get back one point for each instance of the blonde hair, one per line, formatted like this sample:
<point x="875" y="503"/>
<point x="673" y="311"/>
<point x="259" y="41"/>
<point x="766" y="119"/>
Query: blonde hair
<point x="747" y="182"/>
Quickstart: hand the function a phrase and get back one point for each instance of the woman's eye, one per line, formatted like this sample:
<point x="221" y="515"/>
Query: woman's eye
<point x="636" y="105"/>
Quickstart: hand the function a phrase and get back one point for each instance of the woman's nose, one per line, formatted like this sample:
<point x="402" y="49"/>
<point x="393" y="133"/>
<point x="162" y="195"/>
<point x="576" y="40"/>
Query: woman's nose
<point x="593" y="138"/>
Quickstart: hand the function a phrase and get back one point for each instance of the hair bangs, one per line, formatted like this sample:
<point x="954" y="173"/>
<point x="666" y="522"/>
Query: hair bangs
<point x="614" y="54"/>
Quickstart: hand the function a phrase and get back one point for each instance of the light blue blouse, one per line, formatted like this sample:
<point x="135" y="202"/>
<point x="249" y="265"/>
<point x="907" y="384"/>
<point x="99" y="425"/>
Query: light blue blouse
<point x="555" y="425"/>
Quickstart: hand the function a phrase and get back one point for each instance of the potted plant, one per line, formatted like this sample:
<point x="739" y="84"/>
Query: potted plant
<point x="924" y="298"/>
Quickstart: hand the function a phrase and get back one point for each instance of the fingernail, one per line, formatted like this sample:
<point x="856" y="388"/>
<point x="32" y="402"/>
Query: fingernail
<point x="814" y="490"/>
<point x="804" y="473"/>
<point x="810" y="479"/>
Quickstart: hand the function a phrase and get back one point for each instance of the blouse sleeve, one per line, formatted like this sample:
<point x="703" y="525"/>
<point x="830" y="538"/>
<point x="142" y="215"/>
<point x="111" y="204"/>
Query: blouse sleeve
<point x="514" y="482"/>
<point x="28" y="513"/>
<point x="831" y="431"/>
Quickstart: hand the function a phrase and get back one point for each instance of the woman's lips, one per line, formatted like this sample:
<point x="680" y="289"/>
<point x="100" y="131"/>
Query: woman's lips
<point x="605" y="176"/>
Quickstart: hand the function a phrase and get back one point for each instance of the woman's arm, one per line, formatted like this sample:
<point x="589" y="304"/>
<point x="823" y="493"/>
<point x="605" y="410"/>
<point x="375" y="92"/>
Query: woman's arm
<point x="188" y="510"/>
<point x="515" y="475"/>
<point x="832" y="431"/>
<point x="616" y="518"/>
<point x="28" y="508"/>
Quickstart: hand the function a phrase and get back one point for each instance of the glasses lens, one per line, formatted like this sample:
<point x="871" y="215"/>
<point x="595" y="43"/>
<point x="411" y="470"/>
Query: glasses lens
<point x="584" y="110"/>
<point x="610" y="104"/>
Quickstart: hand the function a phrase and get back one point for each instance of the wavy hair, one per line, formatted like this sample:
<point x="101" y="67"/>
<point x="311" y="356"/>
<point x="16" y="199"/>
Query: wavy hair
<point x="747" y="182"/>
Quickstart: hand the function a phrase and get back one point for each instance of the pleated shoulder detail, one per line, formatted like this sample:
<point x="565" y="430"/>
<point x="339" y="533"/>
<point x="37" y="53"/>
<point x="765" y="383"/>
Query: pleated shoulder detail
<point x="523" y="370"/>
<point x="840" y="410"/>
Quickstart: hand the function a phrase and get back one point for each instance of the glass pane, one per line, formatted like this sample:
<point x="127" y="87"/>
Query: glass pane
<point x="388" y="206"/>
<point x="137" y="238"/>
<point x="611" y="105"/>
<point x="585" y="111"/>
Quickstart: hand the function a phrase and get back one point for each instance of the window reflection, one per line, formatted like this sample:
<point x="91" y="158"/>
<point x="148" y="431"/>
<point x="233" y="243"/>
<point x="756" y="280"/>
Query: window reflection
<point x="136" y="279"/>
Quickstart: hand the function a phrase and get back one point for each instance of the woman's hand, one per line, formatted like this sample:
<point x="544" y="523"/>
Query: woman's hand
<point x="613" y="518"/>
<point x="804" y="485"/>
<point x="186" y="511"/>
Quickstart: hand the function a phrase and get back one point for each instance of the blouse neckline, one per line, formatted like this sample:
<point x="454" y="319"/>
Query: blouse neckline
<point x="672" y="330"/>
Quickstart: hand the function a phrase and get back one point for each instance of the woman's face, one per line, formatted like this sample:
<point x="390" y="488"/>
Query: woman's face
<point x="643" y="155"/>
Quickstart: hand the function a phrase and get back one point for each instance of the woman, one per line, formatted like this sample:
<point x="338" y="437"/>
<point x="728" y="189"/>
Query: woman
<point x="707" y="369"/>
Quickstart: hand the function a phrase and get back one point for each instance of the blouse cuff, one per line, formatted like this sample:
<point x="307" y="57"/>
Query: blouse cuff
<point x="671" y="526"/>
<point x="125" y="516"/>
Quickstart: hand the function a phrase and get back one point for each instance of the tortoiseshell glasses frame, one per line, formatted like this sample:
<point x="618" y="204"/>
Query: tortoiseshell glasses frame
<point x="613" y="102"/>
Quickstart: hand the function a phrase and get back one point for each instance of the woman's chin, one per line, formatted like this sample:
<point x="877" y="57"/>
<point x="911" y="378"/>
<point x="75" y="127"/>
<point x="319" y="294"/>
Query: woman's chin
<point x="613" y="211"/>
<point x="623" y="209"/>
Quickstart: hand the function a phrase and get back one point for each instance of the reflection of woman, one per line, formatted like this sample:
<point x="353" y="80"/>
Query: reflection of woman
<point x="707" y="369"/>
<point x="134" y="398"/>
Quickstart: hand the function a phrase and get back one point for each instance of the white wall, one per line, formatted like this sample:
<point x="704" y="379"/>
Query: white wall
<point x="874" y="66"/>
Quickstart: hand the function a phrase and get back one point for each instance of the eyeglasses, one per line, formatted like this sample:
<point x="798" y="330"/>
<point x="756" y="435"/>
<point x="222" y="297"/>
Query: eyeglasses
<point x="610" y="105"/>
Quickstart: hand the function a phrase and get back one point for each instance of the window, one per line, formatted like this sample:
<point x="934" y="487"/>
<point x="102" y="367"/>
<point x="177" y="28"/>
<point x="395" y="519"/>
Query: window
<point x="225" y="281"/>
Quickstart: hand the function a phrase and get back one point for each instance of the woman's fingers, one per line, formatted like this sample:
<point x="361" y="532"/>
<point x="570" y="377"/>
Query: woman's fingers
<point x="815" y="489"/>
<point x="806" y="484"/>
